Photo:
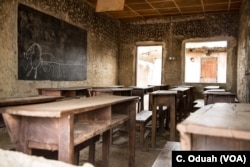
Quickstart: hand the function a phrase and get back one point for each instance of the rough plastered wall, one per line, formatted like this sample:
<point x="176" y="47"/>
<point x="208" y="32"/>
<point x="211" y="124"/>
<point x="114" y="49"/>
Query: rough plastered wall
<point x="173" y="31"/>
<point x="102" y="44"/>
<point x="243" y="81"/>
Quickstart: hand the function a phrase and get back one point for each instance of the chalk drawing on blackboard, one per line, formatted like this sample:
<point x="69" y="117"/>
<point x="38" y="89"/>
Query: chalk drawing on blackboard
<point x="46" y="62"/>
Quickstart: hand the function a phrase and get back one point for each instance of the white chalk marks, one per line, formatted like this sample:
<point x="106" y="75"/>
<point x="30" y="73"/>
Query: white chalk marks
<point x="46" y="63"/>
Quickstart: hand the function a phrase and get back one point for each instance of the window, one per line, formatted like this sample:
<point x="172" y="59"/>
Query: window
<point x="206" y="62"/>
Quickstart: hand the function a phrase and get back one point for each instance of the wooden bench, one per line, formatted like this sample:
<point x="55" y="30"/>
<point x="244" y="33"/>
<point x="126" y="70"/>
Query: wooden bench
<point x="14" y="158"/>
<point x="142" y="119"/>
<point x="164" y="159"/>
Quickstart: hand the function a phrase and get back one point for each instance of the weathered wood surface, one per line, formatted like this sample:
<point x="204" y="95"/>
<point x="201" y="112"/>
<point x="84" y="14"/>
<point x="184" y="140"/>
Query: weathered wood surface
<point x="219" y="97"/>
<point x="217" y="126"/>
<point x="164" y="159"/>
<point x="113" y="91"/>
<point x="141" y="91"/>
<point x="142" y="119"/>
<point x="211" y="87"/>
<point x="64" y="124"/>
<point x="66" y="92"/>
<point x="60" y="108"/>
<point x="14" y="101"/>
<point x="163" y="98"/>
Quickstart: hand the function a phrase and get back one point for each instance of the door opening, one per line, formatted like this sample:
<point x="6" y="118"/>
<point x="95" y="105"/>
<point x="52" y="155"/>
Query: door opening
<point x="149" y="65"/>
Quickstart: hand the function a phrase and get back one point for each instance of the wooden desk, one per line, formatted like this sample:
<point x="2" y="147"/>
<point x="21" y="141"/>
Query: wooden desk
<point x="141" y="91"/>
<point x="15" y="101"/>
<point x="108" y="87"/>
<point x="215" y="90"/>
<point x="211" y="87"/>
<point x="163" y="98"/>
<point x="219" y="97"/>
<point x="190" y="98"/>
<point x="160" y="87"/>
<point x="219" y="126"/>
<point x="53" y="126"/>
<point x="184" y="102"/>
<point x="113" y="91"/>
<point x="66" y="92"/>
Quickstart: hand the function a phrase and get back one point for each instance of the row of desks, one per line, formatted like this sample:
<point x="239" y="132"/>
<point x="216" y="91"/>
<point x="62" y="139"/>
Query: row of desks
<point x="71" y="122"/>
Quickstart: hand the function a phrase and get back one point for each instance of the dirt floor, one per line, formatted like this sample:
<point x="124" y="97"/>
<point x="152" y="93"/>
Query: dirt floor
<point x="145" y="155"/>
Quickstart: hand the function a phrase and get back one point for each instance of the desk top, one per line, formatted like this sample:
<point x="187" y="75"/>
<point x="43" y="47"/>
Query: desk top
<point x="69" y="88"/>
<point x="142" y="87"/>
<point x="14" y="101"/>
<point x="215" y="90"/>
<point x="219" y="119"/>
<point x="212" y="87"/>
<point x="112" y="89"/>
<point x="108" y="87"/>
<point x="73" y="106"/>
<point x="181" y="88"/>
<point x="164" y="92"/>
<point x="218" y="93"/>
<point x="184" y="86"/>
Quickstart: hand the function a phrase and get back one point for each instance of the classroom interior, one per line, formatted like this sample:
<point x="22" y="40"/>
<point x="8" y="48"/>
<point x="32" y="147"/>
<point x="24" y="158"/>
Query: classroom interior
<point x="86" y="50"/>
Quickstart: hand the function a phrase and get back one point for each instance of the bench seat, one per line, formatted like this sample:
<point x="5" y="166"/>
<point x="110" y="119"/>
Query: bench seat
<point x="142" y="119"/>
<point x="164" y="159"/>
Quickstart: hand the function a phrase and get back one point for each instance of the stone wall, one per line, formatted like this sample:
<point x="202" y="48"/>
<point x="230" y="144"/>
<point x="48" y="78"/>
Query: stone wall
<point x="102" y="44"/>
<point x="173" y="31"/>
<point x="243" y="80"/>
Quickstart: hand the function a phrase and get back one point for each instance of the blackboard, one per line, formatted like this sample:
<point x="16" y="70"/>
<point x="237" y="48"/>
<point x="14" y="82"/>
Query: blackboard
<point x="49" y="48"/>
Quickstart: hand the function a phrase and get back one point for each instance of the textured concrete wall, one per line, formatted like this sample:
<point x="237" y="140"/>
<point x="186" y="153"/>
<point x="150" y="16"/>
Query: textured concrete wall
<point x="102" y="44"/>
<point x="243" y="81"/>
<point x="173" y="31"/>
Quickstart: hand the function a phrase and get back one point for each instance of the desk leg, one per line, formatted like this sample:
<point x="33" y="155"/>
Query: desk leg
<point x="172" y="119"/>
<point x="105" y="148"/>
<point x="22" y="144"/>
<point x="131" y="127"/>
<point x="154" y="115"/>
<point x="66" y="139"/>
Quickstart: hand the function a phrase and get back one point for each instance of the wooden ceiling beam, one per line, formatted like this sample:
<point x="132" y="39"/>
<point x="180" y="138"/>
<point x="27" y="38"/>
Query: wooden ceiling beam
<point x="109" y="5"/>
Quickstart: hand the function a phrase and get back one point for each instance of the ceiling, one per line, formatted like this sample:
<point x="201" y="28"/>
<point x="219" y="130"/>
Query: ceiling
<point x="134" y="9"/>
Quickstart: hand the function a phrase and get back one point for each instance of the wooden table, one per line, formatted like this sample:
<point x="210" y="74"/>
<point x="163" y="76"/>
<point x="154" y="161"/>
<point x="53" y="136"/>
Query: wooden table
<point x="211" y="87"/>
<point x="141" y="91"/>
<point x="184" y="97"/>
<point x="215" y="90"/>
<point x="14" y="101"/>
<point x="107" y="86"/>
<point x="219" y="126"/>
<point x="63" y="125"/>
<point x="192" y="89"/>
<point x="160" y="87"/>
<point x="216" y="97"/>
<point x="163" y="98"/>
<point x="66" y="92"/>
<point x="113" y="91"/>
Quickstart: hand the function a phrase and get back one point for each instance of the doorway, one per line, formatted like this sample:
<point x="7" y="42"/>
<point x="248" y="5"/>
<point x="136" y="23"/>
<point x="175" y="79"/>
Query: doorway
<point x="149" y="65"/>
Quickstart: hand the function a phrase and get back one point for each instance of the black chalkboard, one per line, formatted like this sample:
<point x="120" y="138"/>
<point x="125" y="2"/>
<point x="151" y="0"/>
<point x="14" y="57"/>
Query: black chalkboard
<point x="49" y="48"/>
